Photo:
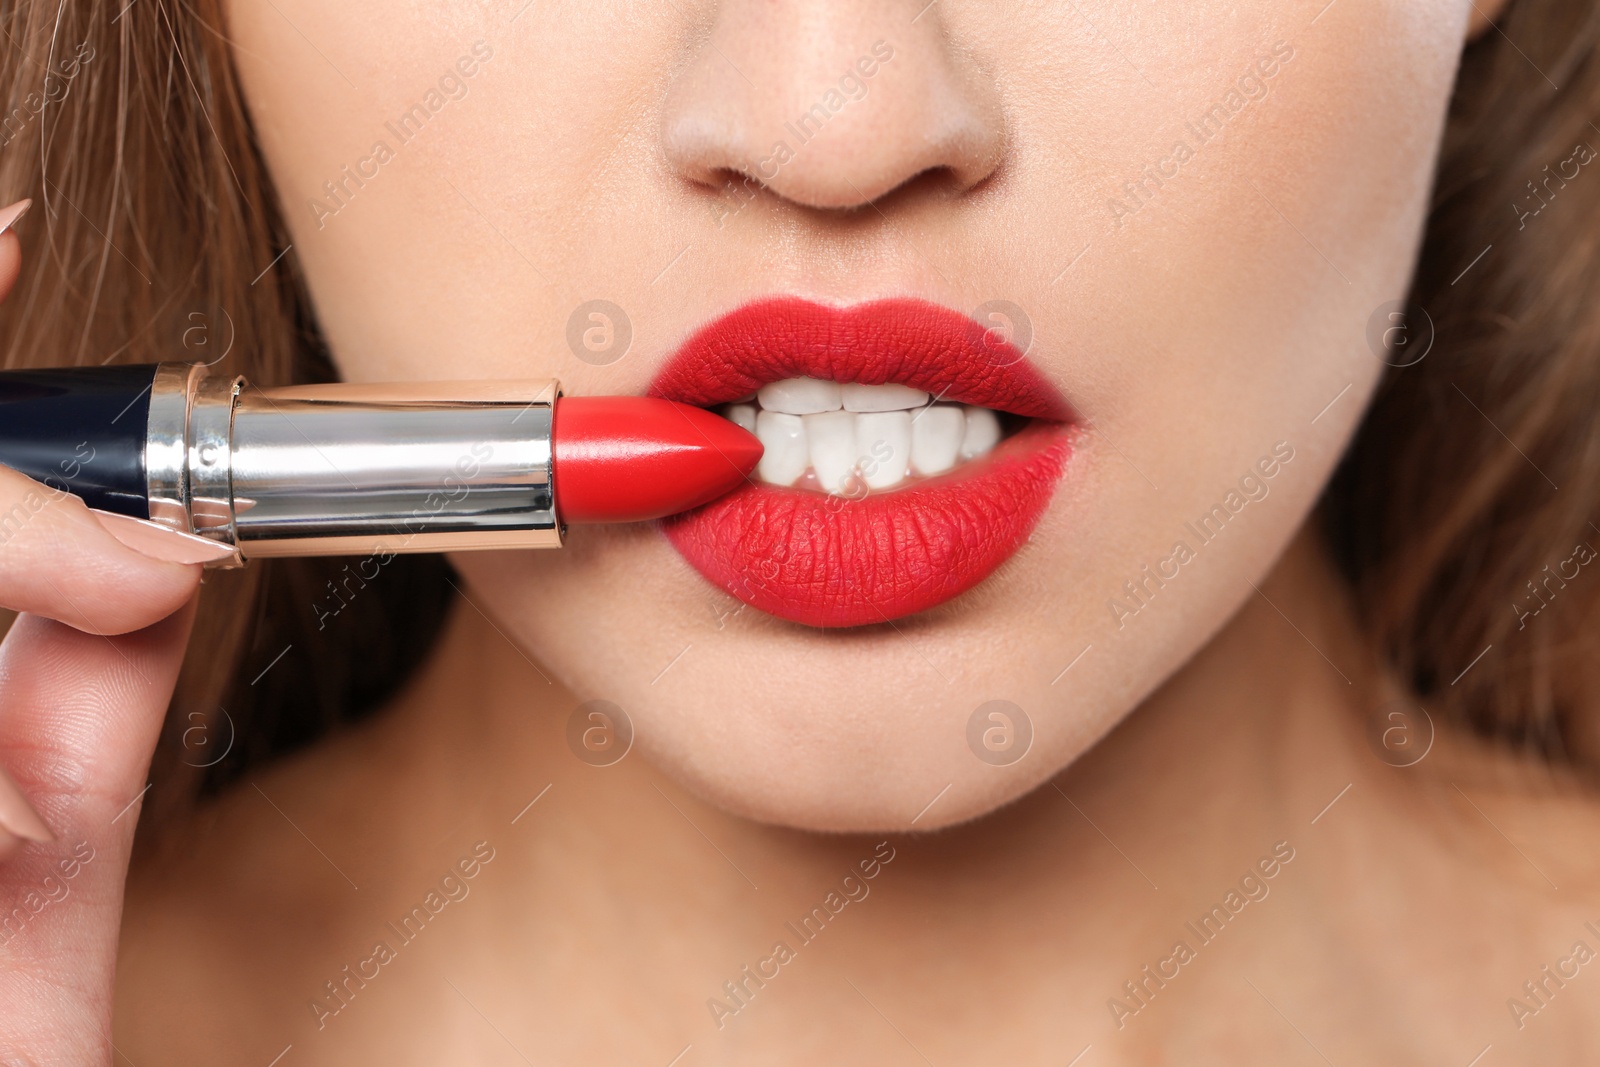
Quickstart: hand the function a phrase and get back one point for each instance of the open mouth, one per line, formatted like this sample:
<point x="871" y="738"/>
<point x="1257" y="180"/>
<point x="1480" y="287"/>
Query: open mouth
<point x="909" y="452"/>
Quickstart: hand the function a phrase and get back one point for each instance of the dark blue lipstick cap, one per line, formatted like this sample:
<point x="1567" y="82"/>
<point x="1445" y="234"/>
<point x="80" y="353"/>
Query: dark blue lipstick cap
<point x="81" y="430"/>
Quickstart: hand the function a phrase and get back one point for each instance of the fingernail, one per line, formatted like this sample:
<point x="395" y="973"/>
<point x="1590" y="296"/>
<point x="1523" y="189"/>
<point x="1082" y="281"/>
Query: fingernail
<point x="161" y="542"/>
<point x="11" y="215"/>
<point x="17" y="816"/>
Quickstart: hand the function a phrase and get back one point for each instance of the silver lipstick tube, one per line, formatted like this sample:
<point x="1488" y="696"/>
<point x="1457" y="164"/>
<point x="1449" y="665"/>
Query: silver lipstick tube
<point x="352" y="469"/>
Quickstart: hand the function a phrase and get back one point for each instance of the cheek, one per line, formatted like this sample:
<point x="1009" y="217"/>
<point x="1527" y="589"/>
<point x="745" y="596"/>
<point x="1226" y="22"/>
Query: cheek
<point x="427" y="265"/>
<point x="1231" y="251"/>
<point x="1223" y="309"/>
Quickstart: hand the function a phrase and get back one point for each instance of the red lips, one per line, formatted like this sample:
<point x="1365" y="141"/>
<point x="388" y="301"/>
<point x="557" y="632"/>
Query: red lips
<point x="836" y="561"/>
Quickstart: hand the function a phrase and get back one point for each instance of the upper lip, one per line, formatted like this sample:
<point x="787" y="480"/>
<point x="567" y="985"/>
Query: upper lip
<point x="902" y="340"/>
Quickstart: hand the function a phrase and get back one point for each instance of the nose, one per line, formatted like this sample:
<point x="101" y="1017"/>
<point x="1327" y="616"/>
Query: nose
<point x="831" y="103"/>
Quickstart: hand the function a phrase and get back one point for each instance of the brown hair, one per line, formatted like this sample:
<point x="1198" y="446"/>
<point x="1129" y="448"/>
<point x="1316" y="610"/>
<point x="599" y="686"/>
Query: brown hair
<point x="1465" y="511"/>
<point x="156" y="235"/>
<point x="158" y="218"/>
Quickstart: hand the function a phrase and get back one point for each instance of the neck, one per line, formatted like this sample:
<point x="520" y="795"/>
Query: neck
<point x="1240" y="860"/>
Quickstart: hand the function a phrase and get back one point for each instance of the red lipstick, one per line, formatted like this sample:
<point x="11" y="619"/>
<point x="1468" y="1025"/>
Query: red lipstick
<point x="833" y="561"/>
<point x="630" y="458"/>
<point x="354" y="468"/>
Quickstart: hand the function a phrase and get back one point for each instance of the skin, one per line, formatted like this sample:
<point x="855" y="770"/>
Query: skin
<point x="1225" y="720"/>
<point x="437" y="269"/>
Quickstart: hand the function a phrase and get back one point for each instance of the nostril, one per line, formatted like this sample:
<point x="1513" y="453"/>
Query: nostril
<point x="738" y="188"/>
<point x="740" y="185"/>
<point x="940" y="181"/>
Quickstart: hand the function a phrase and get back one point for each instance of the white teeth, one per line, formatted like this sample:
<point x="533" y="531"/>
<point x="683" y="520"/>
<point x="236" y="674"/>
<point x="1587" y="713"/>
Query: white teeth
<point x="800" y="396"/>
<point x="859" y="397"/>
<point x="832" y="438"/>
<point x="841" y="437"/>
<point x="936" y="433"/>
<point x="884" y="442"/>
<point x="983" y="433"/>
<point x="784" y="438"/>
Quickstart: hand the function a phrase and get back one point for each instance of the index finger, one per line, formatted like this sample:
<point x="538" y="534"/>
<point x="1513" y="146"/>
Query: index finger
<point x="58" y="560"/>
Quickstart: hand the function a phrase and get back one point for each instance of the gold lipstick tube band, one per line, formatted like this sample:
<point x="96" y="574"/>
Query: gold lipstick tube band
<point x="352" y="469"/>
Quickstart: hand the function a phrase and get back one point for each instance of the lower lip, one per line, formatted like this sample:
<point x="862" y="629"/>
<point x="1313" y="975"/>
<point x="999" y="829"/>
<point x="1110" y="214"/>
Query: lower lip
<point x="833" y="561"/>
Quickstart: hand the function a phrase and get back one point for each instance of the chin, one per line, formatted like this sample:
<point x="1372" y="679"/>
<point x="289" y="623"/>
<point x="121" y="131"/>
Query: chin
<point x="839" y="789"/>
<point x="852" y="755"/>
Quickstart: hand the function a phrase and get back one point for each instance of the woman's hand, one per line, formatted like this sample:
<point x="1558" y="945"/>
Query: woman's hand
<point x="86" y="672"/>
